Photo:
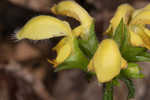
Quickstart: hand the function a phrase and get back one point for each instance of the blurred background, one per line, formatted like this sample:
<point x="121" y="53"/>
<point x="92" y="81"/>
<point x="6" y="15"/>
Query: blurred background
<point x="25" y="73"/>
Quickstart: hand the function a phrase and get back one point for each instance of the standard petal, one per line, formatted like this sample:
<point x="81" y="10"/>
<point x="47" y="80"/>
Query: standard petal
<point x="43" y="27"/>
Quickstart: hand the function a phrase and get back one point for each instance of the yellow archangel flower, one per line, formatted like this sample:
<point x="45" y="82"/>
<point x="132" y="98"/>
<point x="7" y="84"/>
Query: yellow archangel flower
<point x="64" y="47"/>
<point x="45" y="27"/>
<point x="107" y="61"/>
<point x="74" y="10"/>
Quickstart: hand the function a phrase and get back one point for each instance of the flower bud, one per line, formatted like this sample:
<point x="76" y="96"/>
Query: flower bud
<point x="132" y="71"/>
<point x="107" y="61"/>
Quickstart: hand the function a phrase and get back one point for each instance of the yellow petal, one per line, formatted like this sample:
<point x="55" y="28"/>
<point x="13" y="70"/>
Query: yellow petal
<point x="63" y="53"/>
<point x="139" y="30"/>
<point x="147" y="6"/>
<point x="107" y="60"/>
<point x="74" y="10"/>
<point x="43" y="27"/>
<point x="60" y="44"/>
<point x="136" y="12"/>
<point x="135" y="39"/>
<point x="138" y="24"/>
<point x="141" y="18"/>
<point x="78" y="31"/>
<point x="63" y="50"/>
<point x="123" y="11"/>
<point x="147" y="31"/>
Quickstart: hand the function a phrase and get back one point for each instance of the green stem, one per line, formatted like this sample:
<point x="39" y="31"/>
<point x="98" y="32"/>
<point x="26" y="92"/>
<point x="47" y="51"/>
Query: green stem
<point x="108" y="91"/>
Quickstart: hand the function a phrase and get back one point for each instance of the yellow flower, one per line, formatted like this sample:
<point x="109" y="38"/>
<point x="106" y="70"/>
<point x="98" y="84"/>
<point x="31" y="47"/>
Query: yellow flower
<point x="43" y="27"/>
<point x="123" y="11"/>
<point x="139" y="33"/>
<point x="86" y="28"/>
<point x="74" y="10"/>
<point x="69" y="55"/>
<point x="107" y="61"/>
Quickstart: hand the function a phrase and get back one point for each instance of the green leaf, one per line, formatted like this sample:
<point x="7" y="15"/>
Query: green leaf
<point x="108" y="91"/>
<point x="132" y="71"/>
<point x="145" y="54"/>
<point x="118" y="35"/>
<point x="130" y="86"/>
<point x="77" y="59"/>
<point x="90" y="44"/>
<point x="139" y="59"/>
<point x="69" y="65"/>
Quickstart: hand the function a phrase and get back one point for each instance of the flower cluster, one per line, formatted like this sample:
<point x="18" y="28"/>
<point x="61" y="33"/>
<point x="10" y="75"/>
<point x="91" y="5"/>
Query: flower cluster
<point x="113" y="59"/>
<point x="136" y="20"/>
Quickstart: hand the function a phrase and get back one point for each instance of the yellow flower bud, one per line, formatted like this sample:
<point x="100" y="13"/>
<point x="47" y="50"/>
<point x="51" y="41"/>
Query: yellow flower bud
<point x="107" y="61"/>
<point x="74" y="10"/>
<point x="43" y="27"/>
